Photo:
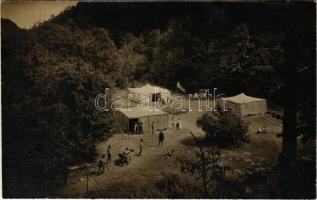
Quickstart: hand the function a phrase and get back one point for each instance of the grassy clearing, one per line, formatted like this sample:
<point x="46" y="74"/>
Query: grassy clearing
<point x="154" y="176"/>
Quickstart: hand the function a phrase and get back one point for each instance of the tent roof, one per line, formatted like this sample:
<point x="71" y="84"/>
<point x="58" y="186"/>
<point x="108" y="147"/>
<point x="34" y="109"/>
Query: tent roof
<point x="136" y="112"/>
<point x="242" y="98"/>
<point x="150" y="89"/>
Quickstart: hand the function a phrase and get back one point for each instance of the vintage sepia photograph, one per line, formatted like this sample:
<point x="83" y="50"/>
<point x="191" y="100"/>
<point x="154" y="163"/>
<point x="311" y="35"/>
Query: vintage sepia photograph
<point x="158" y="99"/>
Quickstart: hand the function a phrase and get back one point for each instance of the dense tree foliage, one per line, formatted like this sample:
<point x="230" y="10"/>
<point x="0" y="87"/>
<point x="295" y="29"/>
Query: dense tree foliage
<point x="50" y="119"/>
<point x="52" y="73"/>
<point x="223" y="128"/>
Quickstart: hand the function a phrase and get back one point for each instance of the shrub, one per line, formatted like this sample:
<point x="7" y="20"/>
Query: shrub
<point x="208" y="169"/>
<point x="223" y="128"/>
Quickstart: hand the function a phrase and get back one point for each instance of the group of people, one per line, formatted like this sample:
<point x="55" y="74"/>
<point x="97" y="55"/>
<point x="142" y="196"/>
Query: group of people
<point x="160" y="143"/>
<point x="126" y="153"/>
<point x="138" y="128"/>
<point x="176" y="123"/>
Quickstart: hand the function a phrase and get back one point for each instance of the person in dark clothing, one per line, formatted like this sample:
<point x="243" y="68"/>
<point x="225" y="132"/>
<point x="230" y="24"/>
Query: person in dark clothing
<point x="101" y="163"/>
<point x="178" y="124"/>
<point x="109" y="154"/>
<point x="153" y="127"/>
<point x="161" y="138"/>
<point x="141" y="147"/>
<point x="140" y="128"/>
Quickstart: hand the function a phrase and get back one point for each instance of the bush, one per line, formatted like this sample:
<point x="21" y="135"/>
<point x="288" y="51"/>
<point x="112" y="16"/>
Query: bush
<point x="223" y="128"/>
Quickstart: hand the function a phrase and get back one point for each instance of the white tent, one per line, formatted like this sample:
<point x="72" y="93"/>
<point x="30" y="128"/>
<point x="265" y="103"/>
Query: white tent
<point x="244" y="105"/>
<point x="127" y="118"/>
<point x="152" y="92"/>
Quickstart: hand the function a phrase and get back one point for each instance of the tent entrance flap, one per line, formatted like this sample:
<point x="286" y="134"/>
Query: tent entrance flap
<point x="132" y="123"/>
<point x="156" y="97"/>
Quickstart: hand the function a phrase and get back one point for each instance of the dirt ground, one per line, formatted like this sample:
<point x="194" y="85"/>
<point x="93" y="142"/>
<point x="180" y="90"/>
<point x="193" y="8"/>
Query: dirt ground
<point x="146" y="170"/>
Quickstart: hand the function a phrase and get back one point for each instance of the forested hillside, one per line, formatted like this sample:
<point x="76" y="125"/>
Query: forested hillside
<point x="52" y="73"/>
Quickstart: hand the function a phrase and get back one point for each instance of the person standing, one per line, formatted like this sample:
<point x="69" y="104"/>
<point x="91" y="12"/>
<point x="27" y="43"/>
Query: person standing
<point x="153" y="127"/>
<point x="173" y="123"/>
<point x="178" y="123"/>
<point x="140" y="128"/>
<point x="135" y="128"/>
<point x="109" y="154"/>
<point x="101" y="163"/>
<point x="161" y="138"/>
<point x="141" y="147"/>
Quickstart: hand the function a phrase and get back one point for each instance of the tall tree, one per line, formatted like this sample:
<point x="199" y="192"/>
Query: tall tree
<point x="294" y="35"/>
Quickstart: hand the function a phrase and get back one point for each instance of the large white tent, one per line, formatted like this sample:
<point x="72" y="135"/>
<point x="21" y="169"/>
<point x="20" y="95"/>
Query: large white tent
<point x="244" y="105"/>
<point x="153" y="93"/>
<point x="128" y="117"/>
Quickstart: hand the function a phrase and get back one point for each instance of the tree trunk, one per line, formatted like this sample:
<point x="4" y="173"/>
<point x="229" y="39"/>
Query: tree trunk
<point x="289" y="150"/>
<point x="291" y="47"/>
